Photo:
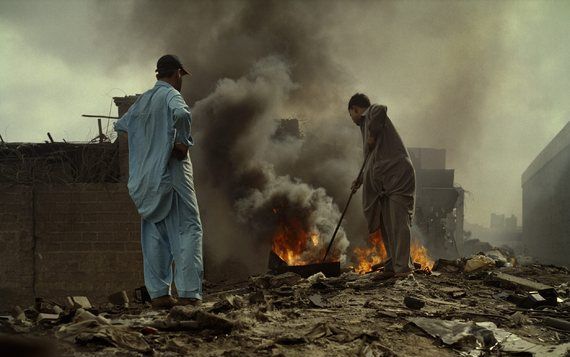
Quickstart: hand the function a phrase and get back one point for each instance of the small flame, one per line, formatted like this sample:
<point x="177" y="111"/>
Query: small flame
<point x="369" y="256"/>
<point x="375" y="254"/>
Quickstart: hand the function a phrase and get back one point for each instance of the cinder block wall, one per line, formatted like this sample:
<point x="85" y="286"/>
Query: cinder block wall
<point x="16" y="245"/>
<point x="86" y="237"/>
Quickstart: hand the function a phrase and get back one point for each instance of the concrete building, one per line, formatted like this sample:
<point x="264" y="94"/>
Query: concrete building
<point x="546" y="202"/>
<point x="439" y="203"/>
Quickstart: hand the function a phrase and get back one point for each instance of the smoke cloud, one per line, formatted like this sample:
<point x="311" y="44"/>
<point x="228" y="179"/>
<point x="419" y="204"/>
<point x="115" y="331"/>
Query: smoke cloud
<point x="237" y="170"/>
<point x="258" y="61"/>
<point x="483" y="80"/>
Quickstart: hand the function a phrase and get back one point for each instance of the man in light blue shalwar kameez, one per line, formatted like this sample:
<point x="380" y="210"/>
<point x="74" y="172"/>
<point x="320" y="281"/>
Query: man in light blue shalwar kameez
<point x="162" y="188"/>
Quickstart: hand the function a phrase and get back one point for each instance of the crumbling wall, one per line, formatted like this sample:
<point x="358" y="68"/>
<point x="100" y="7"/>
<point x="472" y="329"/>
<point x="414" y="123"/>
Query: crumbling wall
<point x="86" y="237"/>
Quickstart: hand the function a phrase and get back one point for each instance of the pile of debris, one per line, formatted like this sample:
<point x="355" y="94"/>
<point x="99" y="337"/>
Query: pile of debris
<point x="477" y="306"/>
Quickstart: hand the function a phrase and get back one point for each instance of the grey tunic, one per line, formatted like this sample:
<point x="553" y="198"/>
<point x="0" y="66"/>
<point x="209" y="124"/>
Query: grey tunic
<point x="388" y="187"/>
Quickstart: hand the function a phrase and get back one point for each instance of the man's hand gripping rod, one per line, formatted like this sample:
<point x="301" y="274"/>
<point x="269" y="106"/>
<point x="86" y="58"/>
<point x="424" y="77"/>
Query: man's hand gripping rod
<point x="352" y="192"/>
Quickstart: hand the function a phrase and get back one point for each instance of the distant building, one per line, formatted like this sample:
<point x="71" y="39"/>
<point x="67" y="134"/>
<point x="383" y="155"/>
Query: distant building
<point x="497" y="221"/>
<point x="439" y="203"/>
<point x="511" y="223"/>
<point x="546" y="202"/>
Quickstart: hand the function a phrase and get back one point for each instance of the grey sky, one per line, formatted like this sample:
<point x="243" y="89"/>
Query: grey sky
<point x="488" y="81"/>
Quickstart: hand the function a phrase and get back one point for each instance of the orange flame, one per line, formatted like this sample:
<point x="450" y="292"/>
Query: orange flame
<point x="375" y="254"/>
<point x="369" y="256"/>
<point x="290" y="242"/>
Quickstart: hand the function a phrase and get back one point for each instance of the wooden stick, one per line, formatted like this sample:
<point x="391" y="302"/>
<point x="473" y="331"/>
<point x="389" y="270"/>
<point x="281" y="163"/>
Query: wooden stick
<point x="352" y="192"/>
<point x="99" y="116"/>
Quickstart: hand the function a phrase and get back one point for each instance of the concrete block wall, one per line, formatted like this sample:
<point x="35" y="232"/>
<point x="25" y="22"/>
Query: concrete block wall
<point x="16" y="244"/>
<point x="87" y="241"/>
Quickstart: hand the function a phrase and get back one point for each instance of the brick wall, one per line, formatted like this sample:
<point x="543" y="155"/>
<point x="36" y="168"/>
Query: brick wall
<point x="16" y="244"/>
<point x="87" y="239"/>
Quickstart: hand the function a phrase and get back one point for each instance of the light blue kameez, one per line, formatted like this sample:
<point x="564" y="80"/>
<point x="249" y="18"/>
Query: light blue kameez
<point x="162" y="189"/>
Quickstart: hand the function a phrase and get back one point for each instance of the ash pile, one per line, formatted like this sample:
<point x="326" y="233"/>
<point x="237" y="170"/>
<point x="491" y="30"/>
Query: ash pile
<point x="487" y="304"/>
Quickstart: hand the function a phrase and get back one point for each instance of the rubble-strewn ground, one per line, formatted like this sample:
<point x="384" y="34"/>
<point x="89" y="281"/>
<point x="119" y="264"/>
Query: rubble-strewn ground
<point x="349" y="315"/>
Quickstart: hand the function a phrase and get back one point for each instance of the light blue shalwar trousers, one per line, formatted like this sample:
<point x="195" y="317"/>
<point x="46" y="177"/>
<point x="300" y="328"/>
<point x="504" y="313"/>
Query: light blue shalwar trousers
<point x="178" y="238"/>
<point x="162" y="189"/>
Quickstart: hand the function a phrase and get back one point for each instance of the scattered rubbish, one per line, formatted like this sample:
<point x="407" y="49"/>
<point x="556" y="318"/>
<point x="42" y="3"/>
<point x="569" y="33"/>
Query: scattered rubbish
<point x="519" y="319"/>
<point x="275" y="281"/>
<point x="483" y="335"/>
<point x="183" y="318"/>
<point x="317" y="300"/>
<point x="508" y="280"/>
<point x="119" y="299"/>
<point x="42" y="305"/>
<point x="531" y="301"/>
<point x="142" y="295"/>
<point x="75" y="302"/>
<point x="537" y="291"/>
<point x="338" y="334"/>
<point x="477" y="263"/>
<point x="462" y="334"/>
<point x="290" y="339"/>
<point x="47" y="317"/>
<point x="499" y="258"/>
<point x="316" y="278"/>
<point x="448" y="266"/>
<point x="557" y="323"/>
<point x="267" y="313"/>
<point x="413" y="302"/>
<point x="88" y="328"/>
<point x="510" y="342"/>
<point x="227" y="303"/>
<point x="455" y="293"/>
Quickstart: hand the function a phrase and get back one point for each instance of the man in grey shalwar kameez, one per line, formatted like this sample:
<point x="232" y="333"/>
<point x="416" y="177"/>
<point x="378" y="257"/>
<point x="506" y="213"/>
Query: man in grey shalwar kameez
<point x="388" y="183"/>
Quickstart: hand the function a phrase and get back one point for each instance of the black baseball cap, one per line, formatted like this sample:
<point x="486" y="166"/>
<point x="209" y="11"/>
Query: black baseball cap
<point x="169" y="63"/>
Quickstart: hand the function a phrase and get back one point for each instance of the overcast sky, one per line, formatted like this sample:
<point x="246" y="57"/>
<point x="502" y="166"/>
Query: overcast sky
<point x="488" y="81"/>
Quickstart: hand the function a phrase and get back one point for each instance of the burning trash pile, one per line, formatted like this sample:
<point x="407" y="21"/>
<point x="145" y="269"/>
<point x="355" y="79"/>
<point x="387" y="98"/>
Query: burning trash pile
<point x="462" y="307"/>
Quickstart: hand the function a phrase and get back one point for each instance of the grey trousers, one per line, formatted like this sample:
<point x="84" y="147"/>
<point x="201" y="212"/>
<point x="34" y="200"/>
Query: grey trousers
<point x="395" y="226"/>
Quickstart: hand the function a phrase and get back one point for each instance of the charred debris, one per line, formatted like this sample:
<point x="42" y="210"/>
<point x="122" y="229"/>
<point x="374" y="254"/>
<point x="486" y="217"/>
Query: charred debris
<point x="484" y="305"/>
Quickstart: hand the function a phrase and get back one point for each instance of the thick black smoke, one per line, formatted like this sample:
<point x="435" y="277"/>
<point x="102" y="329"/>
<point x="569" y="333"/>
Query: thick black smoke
<point x="237" y="170"/>
<point x="257" y="61"/>
<point x="253" y="63"/>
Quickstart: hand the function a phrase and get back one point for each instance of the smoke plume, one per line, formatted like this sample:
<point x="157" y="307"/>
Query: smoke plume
<point x="257" y="61"/>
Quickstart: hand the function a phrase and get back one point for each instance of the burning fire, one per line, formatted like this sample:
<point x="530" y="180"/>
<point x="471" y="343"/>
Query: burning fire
<point x="291" y="240"/>
<point x="375" y="253"/>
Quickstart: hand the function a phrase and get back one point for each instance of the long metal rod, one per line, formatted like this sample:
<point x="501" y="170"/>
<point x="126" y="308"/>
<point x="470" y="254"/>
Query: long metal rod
<point x="99" y="116"/>
<point x="352" y="192"/>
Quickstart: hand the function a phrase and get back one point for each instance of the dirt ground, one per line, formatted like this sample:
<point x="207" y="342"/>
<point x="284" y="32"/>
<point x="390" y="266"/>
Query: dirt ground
<point x="350" y="315"/>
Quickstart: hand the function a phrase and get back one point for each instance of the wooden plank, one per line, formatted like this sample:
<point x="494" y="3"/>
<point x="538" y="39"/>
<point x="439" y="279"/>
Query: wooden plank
<point x="525" y="284"/>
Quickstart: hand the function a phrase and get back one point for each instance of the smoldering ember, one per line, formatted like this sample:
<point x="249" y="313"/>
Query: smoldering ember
<point x="225" y="203"/>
